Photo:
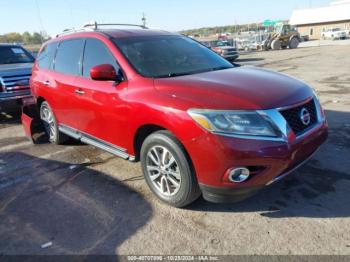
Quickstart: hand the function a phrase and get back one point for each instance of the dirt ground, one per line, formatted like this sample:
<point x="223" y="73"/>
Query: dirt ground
<point x="86" y="201"/>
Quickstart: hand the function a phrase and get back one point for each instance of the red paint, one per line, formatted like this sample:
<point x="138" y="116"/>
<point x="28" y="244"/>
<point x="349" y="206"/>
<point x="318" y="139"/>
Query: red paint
<point x="115" y="112"/>
<point x="27" y="123"/>
<point x="103" y="72"/>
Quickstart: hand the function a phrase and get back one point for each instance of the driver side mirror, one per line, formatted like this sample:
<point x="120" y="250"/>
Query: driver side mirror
<point x="105" y="72"/>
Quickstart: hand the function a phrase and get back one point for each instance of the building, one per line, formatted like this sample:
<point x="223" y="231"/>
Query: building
<point x="314" y="21"/>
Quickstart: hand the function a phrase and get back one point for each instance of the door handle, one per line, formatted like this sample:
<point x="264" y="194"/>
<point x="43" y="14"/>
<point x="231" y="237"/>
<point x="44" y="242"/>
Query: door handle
<point x="79" y="92"/>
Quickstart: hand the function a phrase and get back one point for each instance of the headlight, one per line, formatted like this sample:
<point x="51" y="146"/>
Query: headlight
<point x="233" y="122"/>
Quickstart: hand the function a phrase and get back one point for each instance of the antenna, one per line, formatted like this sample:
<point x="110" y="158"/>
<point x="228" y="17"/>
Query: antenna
<point x="40" y="21"/>
<point x="71" y="14"/>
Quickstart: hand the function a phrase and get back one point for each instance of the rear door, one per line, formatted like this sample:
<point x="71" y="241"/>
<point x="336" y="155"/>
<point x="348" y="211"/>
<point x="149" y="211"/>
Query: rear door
<point x="66" y="68"/>
<point x="102" y="103"/>
<point x="41" y="75"/>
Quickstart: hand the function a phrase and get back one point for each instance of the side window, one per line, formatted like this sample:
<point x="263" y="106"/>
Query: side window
<point x="68" y="56"/>
<point x="47" y="55"/>
<point x="97" y="53"/>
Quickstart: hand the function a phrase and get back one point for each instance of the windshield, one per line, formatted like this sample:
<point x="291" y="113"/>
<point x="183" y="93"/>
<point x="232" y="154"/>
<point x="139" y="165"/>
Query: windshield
<point x="220" y="43"/>
<point x="336" y="29"/>
<point x="278" y="28"/>
<point x="169" y="56"/>
<point x="14" y="55"/>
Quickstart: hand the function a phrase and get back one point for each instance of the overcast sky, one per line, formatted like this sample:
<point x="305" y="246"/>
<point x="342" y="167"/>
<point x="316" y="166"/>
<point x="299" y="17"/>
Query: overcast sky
<point x="55" y="16"/>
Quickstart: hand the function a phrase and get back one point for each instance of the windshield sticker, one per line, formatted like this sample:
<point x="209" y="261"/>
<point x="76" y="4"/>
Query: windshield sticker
<point x="17" y="50"/>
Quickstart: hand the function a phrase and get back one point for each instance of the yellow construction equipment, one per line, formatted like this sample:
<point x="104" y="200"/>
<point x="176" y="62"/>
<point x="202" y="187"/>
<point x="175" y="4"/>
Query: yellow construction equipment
<point x="283" y="36"/>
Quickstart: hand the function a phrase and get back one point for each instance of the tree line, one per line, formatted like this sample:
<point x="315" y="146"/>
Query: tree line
<point x="224" y="29"/>
<point x="25" y="38"/>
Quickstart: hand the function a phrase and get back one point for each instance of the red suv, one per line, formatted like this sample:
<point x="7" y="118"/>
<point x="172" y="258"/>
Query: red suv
<point x="198" y="124"/>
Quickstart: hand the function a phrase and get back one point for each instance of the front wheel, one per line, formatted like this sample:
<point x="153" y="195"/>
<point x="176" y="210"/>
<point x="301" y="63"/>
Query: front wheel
<point x="276" y="44"/>
<point x="293" y="43"/>
<point x="168" y="170"/>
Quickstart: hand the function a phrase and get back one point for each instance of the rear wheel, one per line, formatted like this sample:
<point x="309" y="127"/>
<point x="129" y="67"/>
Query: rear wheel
<point x="167" y="169"/>
<point x="50" y="125"/>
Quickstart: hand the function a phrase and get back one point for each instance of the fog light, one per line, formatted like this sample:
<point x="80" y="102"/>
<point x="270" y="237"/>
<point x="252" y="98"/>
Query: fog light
<point x="239" y="175"/>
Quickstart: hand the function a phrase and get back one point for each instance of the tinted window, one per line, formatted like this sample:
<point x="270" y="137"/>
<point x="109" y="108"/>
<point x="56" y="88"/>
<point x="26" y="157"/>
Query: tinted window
<point x="14" y="55"/>
<point x="68" y="56"/>
<point x="47" y="55"/>
<point x="169" y="56"/>
<point x="96" y="53"/>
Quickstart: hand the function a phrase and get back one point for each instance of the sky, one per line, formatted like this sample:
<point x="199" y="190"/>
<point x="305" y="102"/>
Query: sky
<point x="172" y="15"/>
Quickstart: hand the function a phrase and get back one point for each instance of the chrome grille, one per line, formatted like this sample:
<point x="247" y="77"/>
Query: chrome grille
<point x="292" y="116"/>
<point x="15" y="82"/>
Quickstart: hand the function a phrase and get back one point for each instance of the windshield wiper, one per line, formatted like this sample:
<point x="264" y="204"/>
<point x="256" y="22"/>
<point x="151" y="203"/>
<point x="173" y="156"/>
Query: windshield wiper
<point x="220" y="68"/>
<point x="195" y="72"/>
<point x="175" y="74"/>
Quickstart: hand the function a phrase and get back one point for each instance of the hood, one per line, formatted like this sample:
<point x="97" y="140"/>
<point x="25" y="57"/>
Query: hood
<point x="15" y="69"/>
<point x="237" y="88"/>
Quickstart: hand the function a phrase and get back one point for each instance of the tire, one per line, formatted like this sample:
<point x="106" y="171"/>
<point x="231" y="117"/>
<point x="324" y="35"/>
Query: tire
<point x="173" y="180"/>
<point x="293" y="43"/>
<point x="265" y="45"/>
<point x="50" y="125"/>
<point x="276" y="44"/>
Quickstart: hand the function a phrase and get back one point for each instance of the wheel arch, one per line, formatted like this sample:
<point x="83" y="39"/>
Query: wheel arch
<point x="39" y="101"/>
<point x="141" y="134"/>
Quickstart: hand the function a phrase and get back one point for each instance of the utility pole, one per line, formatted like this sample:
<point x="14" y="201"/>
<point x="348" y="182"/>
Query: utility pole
<point x="40" y="21"/>
<point x="143" y="19"/>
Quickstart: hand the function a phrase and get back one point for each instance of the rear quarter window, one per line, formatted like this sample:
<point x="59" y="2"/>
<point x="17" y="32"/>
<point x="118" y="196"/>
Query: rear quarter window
<point x="46" y="56"/>
<point x="68" y="57"/>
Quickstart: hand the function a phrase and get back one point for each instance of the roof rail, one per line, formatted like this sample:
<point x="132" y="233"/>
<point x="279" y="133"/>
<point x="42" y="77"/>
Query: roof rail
<point x="72" y="30"/>
<point x="96" y="25"/>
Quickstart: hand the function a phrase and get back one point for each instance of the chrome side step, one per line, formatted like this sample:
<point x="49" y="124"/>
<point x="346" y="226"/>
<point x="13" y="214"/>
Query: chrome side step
<point x="88" y="139"/>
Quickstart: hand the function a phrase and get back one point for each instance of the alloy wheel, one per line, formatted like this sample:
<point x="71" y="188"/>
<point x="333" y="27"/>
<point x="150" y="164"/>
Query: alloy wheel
<point x="48" y="121"/>
<point x="163" y="170"/>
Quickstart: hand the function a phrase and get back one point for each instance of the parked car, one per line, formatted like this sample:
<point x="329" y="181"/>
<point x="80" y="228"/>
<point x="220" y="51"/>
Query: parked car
<point x="15" y="70"/>
<point x="198" y="124"/>
<point x="223" y="48"/>
<point x="247" y="44"/>
<point x="335" y="33"/>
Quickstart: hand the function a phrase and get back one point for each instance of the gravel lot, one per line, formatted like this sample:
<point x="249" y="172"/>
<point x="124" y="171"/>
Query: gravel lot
<point x="86" y="201"/>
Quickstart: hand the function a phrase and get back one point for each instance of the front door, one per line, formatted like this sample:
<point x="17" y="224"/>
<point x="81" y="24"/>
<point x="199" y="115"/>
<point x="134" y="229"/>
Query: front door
<point x="102" y="104"/>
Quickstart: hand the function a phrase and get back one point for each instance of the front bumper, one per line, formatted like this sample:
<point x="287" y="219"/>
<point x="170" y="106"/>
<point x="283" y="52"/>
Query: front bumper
<point x="231" y="57"/>
<point x="272" y="159"/>
<point x="15" y="95"/>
